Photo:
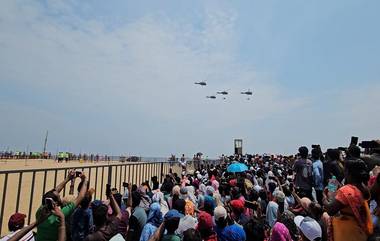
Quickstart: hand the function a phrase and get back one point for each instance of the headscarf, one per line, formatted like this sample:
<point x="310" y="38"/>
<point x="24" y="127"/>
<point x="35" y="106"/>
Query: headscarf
<point x="191" y="195"/>
<point x="176" y="190"/>
<point x="189" y="208"/>
<point x="155" y="214"/>
<point x="199" y="177"/>
<point x="215" y="185"/>
<point x="145" y="199"/>
<point x="153" y="222"/>
<point x="205" y="223"/>
<point x="218" y="199"/>
<point x="280" y="233"/>
<point x="209" y="204"/>
<point x="202" y="189"/>
<point x="159" y="198"/>
<point x="233" y="233"/>
<point x="287" y="218"/>
<point x="210" y="190"/>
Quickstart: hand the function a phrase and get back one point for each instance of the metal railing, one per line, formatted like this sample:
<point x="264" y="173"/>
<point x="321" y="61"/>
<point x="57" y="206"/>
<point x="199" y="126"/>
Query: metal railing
<point x="22" y="190"/>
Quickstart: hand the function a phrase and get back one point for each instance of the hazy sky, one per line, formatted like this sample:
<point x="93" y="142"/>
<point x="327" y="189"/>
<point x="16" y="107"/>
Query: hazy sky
<point x="118" y="76"/>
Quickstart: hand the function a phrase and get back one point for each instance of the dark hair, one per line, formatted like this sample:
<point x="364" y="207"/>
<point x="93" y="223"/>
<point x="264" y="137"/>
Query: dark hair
<point x="315" y="154"/>
<point x="303" y="151"/>
<point x="171" y="225"/>
<point x="14" y="227"/>
<point x="272" y="186"/>
<point x="100" y="215"/>
<point x="357" y="169"/>
<point x="281" y="207"/>
<point x="85" y="203"/>
<point x="333" y="154"/>
<point x="353" y="152"/>
<point x="263" y="195"/>
<point x="179" y="205"/>
<point x="255" y="229"/>
<point x="316" y="211"/>
<point x="191" y="235"/>
<point x="136" y="199"/>
<point x="221" y="222"/>
<point x="52" y="195"/>
<point x="253" y="195"/>
<point x="174" y="199"/>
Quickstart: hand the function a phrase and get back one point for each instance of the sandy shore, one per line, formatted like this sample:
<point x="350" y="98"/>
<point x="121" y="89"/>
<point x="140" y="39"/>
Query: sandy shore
<point x="96" y="172"/>
<point x="21" y="164"/>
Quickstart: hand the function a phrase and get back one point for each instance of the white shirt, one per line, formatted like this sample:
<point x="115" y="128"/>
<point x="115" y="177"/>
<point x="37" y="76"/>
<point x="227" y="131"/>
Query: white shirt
<point x="28" y="237"/>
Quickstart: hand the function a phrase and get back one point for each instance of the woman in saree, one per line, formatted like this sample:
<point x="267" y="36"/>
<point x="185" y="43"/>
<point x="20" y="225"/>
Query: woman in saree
<point x="350" y="218"/>
<point x="153" y="222"/>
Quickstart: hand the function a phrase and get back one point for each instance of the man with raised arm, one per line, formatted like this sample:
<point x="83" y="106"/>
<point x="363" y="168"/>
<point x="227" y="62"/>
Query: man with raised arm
<point x="49" y="229"/>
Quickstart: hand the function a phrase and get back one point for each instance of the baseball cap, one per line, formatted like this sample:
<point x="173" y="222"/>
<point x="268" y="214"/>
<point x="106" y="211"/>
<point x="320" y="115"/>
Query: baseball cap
<point x="172" y="214"/>
<point x="309" y="227"/>
<point x="220" y="212"/>
<point x="16" y="221"/>
<point x="237" y="205"/>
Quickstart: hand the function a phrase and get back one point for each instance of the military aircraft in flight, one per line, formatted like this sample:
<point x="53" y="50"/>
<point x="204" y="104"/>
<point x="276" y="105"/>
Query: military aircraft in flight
<point x="211" y="97"/>
<point x="246" y="92"/>
<point x="202" y="83"/>
<point x="222" y="93"/>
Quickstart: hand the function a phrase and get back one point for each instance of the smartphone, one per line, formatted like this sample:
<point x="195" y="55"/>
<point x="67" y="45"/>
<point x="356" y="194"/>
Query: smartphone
<point x="108" y="190"/>
<point x="251" y="205"/>
<point x="78" y="173"/>
<point x="49" y="203"/>
<point x="354" y="141"/>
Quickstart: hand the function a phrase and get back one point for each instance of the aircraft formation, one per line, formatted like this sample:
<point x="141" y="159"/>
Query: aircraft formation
<point x="224" y="93"/>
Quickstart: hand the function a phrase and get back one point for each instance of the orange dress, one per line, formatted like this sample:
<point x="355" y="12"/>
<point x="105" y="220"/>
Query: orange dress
<point x="354" y="223"/>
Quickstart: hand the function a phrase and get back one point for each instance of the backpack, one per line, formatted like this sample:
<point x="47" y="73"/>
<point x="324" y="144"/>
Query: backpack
<point x="307" y="170"/>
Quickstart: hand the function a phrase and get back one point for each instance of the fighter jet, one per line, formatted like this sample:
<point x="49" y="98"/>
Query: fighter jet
<point x="246" y="92"/>
<point x="222" y="93"/>
<point x="211" y="97"/>
<point x="202" y="83"/>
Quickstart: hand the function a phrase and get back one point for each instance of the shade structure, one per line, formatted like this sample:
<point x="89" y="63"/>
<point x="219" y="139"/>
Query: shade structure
<point x="237" y="167"/>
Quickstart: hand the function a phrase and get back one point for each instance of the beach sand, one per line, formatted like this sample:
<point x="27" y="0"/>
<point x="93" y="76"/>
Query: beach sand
<point x="129" y="172"/>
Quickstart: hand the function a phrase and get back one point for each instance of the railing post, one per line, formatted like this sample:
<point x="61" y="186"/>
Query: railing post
<point x="162" y="171"/>
<point x="18" y="191"/>
<point x="31" y="197"/>
<point x="109" y="175"/>
<point x="3" y="201"/>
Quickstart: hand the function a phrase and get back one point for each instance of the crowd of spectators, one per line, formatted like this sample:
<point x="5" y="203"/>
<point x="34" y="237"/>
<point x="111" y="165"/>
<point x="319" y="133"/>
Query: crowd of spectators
<point x="311" y="196"/>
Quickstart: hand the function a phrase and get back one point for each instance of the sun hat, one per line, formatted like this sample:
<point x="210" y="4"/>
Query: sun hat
<point x="309" y="227"/>
<point x="220" y="212"/>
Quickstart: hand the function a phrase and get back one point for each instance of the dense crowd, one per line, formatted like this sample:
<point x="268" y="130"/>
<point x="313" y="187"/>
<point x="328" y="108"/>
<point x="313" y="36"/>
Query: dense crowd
<point x="310" y="196"/>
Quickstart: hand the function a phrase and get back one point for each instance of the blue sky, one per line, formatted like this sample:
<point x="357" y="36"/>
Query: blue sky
<point x="117" y="77"/>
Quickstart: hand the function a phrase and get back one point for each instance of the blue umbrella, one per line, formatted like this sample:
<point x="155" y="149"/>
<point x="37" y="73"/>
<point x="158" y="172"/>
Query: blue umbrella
<point x="237" y="167"/>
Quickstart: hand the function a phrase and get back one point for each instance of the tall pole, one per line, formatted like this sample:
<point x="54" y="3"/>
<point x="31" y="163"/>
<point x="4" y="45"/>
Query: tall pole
<point x="26" y="156"/>
<point x="45" y="144"/>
